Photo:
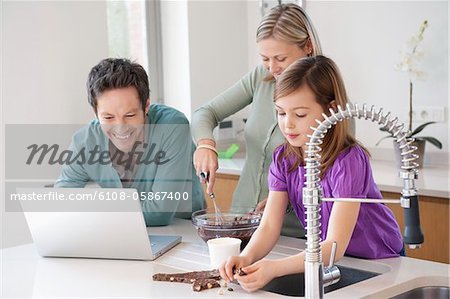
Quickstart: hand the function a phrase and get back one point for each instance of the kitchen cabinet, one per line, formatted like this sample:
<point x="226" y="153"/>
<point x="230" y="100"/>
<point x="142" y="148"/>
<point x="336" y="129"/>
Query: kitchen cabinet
<point x="223" y="190"/>
<point x="434" y="217"/>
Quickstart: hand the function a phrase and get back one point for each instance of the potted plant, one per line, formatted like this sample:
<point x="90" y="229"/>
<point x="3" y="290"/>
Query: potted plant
<point x="409" y="64"/>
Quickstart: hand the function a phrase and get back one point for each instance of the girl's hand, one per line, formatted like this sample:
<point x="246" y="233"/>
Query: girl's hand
<point x="232" y="265"/>
<point x="206" y="160"/>
<point x="257" y="275"/>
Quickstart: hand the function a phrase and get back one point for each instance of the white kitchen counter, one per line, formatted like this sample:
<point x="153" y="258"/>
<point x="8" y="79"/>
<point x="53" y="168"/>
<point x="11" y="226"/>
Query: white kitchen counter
<point x="25" y="274"/>
<point x="433" y="180"/>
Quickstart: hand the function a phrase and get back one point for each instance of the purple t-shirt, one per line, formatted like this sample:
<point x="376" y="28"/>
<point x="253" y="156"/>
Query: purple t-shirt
<point x="376" y="234"/>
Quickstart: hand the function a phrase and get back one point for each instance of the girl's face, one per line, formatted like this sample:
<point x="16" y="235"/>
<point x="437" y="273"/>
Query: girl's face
<point x="296" y="113"/>
<point x="277" y="55"/>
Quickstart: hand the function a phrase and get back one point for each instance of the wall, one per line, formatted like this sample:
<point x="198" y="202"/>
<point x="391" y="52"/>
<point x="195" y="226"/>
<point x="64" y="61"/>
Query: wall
<point x="48" y="48"/>
<point x="365" y="39"/>
<point x="253" y="19"/>
<point x="204" y="50"/>
<point x="218" y="43"/>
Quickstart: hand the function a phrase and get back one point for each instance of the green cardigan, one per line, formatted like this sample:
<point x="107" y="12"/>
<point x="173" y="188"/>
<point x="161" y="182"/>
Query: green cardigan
<point x="169" y="130"/>
<point x="262" y="134"/>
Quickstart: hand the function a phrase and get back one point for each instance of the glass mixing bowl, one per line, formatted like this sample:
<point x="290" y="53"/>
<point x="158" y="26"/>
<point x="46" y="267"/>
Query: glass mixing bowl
<point x="239" y="224"/>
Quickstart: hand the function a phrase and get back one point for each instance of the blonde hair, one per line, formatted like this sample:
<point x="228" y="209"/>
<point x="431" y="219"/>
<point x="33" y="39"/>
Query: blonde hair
<point x="322" y="76"/>
<point x="289" y="23"/>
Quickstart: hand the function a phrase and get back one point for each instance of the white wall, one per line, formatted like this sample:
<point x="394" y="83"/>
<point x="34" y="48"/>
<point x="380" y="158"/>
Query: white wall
<point x="218" y="47"/>
<point x="253" y="19"/>
<point x="48" y="48"/>
<point x="204" y="50"/>
<point x="365" y="39"/>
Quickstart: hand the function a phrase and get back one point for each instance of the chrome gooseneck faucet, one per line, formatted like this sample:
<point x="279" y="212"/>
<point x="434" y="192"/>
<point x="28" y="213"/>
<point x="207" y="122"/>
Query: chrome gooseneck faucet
<point x="315" y="276"/>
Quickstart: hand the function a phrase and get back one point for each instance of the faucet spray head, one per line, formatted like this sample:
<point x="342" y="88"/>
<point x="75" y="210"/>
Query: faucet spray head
<point x="412" y="235"/>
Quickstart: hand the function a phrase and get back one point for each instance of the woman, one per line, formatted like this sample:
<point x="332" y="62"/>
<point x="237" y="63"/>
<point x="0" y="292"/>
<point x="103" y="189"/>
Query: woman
<point x="284" y="35"/>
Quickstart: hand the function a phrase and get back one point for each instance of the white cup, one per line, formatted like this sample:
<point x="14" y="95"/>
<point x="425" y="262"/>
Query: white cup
<point x="220" y="249"/>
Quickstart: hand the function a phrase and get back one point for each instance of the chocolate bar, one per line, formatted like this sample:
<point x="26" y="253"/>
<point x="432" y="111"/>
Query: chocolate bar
<point x="204" y="284"/>
<point x="201" y="280"/>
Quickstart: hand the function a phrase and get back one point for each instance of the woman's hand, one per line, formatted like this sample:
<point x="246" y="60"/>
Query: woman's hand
<point x="206" y="160"/>
<point x="257" y="275"/>
<point x="261" y="206"/>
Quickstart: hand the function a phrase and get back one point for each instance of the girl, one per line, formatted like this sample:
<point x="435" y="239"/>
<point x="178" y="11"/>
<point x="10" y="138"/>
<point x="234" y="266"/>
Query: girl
<point x="305" y="90"/>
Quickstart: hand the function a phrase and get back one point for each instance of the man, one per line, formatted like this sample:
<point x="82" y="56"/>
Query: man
<point x="133" y="144"/>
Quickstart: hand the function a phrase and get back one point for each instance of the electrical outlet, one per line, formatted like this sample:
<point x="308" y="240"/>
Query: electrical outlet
<point x="429" y="113"/>
<point x="225" y="130"/>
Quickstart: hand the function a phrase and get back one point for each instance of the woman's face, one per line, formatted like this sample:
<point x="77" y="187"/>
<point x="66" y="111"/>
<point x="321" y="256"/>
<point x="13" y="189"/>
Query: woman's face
<point x="277" y="55"/>
<point x="296" y="113"/>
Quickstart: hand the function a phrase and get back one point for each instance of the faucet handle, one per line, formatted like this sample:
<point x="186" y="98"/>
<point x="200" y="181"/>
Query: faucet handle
<point x="333" y="254"/>
<point x="331" y="274"/>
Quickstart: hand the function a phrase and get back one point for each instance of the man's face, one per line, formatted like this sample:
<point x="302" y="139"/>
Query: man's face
<point x="121" y="116"/>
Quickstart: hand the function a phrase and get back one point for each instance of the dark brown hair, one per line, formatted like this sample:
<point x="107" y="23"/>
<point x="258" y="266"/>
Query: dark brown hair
<point x="114" y="73"/>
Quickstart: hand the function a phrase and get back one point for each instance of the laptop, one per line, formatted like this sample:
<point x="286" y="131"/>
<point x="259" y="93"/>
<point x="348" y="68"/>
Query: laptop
<point x="104" y="223"/>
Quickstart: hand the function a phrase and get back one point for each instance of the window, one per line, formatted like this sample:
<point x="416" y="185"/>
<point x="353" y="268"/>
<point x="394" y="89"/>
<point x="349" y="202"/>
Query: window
<point x="127" y="35"/>
<point x="134" y="33"/>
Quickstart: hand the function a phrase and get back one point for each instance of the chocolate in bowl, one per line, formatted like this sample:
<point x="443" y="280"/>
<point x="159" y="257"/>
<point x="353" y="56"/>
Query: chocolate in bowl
<point x="239" y="224"/>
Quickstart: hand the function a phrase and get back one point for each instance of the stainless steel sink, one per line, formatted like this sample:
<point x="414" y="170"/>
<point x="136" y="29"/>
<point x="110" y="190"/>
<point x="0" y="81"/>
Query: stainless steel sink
<point x="431" y="292"/>
<point x="294" y="285"/>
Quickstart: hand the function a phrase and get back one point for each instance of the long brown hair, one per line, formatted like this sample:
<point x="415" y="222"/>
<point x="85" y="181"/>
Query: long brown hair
<point x="289" y="23"/>
<point x="322" y="76"/>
